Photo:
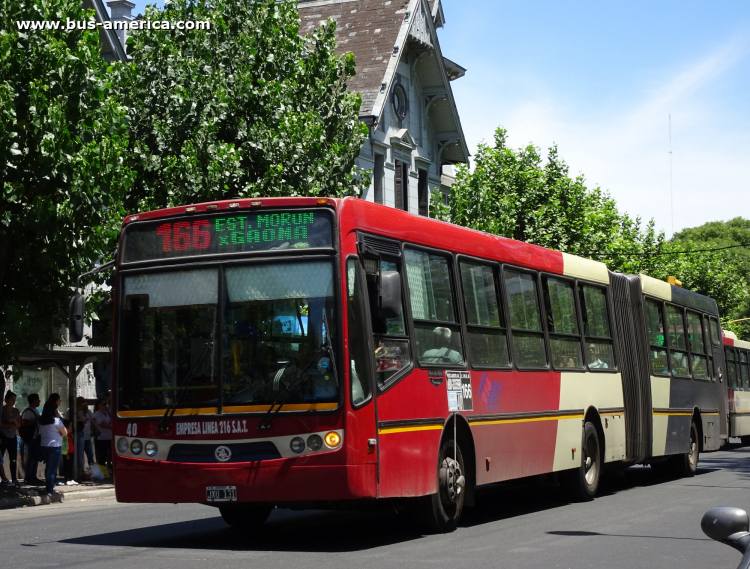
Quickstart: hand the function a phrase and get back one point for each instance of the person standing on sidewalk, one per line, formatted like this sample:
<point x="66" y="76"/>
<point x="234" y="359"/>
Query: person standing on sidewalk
<point x="52" y="431"/>
<point x="11" y="421"/>
<point x="29" y="432"/>
<point x="103" y="424"/>
<point x="83" y="433"/>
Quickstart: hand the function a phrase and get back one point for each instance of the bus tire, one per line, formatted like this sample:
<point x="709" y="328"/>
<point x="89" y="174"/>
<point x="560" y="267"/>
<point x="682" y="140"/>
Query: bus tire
<point x="685" y="465"/>
<point x="442" y="510"/>
<point x="246" y="517"/>
<point x="745" y="441"/>
<point x="582" y="483"/>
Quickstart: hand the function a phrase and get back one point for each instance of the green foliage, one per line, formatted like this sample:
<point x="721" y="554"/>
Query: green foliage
<point x="248" y="108"/>
<point x="514" y="193"/>
<point x="725" y="234"/>
<point x="62" y="179"/>
<point x="517" y="194"/>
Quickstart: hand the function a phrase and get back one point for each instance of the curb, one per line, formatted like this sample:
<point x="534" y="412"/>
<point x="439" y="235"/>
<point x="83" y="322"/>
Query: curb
<point x="59" y="498"/>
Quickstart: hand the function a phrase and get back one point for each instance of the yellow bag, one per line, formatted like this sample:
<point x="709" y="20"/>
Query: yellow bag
<point x="104" y="470"/>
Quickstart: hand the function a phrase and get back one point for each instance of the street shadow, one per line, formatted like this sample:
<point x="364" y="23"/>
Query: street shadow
<point x="597" y="534"/>
<point x="347" y="531"/>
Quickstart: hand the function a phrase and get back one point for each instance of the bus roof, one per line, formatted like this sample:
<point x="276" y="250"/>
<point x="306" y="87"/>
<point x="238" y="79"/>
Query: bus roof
<point x="730" y="339"/>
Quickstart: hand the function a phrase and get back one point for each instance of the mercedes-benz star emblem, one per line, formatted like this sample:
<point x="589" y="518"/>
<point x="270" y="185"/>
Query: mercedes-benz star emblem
<point x="223" y="453"/>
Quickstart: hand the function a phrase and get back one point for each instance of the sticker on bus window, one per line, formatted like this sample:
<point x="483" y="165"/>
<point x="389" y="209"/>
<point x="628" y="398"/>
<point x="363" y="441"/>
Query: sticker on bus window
<point x="459" y="391"/>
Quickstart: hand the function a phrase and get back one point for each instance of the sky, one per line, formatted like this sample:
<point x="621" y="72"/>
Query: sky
<point x="600" y="79"/>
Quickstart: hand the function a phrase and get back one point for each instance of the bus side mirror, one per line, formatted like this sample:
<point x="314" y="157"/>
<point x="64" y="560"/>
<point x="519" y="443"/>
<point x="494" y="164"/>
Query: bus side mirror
<point x="727" y="525"/>
<point x="75" y="318"/>
<point x="390" y="294"/>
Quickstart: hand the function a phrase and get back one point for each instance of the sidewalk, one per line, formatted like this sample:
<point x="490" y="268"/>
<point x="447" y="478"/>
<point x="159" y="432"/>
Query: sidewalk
<point x="36" y="495"/>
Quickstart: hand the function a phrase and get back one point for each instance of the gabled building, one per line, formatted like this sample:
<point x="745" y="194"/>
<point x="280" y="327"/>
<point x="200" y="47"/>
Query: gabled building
<point x="407" y="101"/>
<point x="405" y="84"/>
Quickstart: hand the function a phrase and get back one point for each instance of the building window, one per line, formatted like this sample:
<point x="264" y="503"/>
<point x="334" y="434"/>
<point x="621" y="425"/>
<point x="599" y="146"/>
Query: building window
<point x="379" y="175"/>
<point x="402" y="185"/>
<point x="423" y="193"/>
<point x="400" y="102"/>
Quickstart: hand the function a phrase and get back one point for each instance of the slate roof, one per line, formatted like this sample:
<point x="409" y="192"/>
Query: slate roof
<point x="366" y="28"/>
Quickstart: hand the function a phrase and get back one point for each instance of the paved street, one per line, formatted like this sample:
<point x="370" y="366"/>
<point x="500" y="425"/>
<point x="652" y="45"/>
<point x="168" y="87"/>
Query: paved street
<point x="639" y="521"/>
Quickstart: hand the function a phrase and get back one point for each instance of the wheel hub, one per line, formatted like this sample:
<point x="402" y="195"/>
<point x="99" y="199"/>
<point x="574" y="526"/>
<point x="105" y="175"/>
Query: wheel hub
<point x="452" y="480"/>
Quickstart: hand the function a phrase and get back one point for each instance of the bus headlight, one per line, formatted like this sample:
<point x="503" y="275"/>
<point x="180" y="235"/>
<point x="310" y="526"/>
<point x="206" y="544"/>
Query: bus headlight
<point x="297" y="445"/>
<point x="314" y="442"/>
<point x="333" y="439"/>
<point x="136" y="447"/>
<point x="122" y="445"/>
<point x="151" y="448"/>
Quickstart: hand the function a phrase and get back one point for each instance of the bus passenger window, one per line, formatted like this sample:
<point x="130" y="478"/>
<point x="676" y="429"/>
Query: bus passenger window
<point x="697" y="346"/>
<point x="677" y="342"/>
<point x="487" y="341"/>
<point x="525" y="321"/>
<point x="731" y="370"/>
<point x="562" y="322"/>
<point x="595" y="312"/>
<point x="436" y="329"/>
<point x="360" y="369"/>
<point x="656" y="339"/>
<point x="715" y="331"/>
<point x="744" y="373"/>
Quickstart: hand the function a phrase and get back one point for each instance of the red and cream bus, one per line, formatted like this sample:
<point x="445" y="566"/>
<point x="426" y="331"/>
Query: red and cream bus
<point x="738" y="383"/>
<point x="301" y="351"/>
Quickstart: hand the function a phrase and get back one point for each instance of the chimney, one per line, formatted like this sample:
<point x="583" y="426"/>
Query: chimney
<point x="120" y="12"/>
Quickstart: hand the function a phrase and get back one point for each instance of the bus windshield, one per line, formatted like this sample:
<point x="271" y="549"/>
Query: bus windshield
<point x="264" y="324"/>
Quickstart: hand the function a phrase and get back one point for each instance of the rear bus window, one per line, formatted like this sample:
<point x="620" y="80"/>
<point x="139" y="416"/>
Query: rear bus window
<point x="525" y="320"/>
<point x="596" y="329"/>
<point x="744" y="372"/>
<point x="487" y="341"/>
<point x="436" y="328"/>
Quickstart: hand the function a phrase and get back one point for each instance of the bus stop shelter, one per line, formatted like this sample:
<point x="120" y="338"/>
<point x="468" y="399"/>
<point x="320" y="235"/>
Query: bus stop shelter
<point x="70" y="360"/>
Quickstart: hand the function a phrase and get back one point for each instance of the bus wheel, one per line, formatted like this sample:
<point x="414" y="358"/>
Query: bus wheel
<point x="581" y="483"/>
<point x="686" y="464"/>
<point x="745" y="441"/>
<point x="249" y="516"/>
<point x="443" y="509"/>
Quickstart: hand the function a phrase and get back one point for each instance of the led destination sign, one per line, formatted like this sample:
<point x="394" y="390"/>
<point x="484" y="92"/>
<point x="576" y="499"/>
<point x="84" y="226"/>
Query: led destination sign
<point x="227" y="233"/>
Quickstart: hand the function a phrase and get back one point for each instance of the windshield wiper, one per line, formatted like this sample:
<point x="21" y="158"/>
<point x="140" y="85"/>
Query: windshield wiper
<point x="169" y="413"/>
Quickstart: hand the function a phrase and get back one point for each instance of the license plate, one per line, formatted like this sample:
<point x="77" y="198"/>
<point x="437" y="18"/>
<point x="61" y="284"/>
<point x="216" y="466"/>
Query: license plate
<point x="221" y="494"/>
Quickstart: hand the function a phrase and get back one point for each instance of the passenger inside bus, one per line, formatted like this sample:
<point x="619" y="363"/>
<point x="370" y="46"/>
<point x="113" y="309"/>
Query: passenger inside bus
<point x="442" y="352"/>
<point x="595" y="362"/>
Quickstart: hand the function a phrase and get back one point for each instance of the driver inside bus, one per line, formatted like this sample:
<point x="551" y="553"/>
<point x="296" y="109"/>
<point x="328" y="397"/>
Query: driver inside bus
<point x="442" y="353"/>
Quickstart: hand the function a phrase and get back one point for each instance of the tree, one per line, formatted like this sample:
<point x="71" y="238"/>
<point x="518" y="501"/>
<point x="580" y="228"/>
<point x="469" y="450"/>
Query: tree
<point x="733" y="264"/>
<point x="515" y="194"/>
<point x="247" y="108"/>
<point x="62" y="178"/>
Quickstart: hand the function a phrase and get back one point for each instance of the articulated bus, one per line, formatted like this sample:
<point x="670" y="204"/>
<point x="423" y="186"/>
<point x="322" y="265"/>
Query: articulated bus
<point x="303" y="352"/>
<point x="738" y="385"/>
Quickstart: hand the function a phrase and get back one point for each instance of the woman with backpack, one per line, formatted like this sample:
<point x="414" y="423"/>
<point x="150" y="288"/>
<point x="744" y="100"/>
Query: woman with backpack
<point x="52" y="431"/>
<point x="9" y="425"/>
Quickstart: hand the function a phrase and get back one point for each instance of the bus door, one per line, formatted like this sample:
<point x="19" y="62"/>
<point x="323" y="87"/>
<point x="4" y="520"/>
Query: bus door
<point x="361" y="421"/>
<point x="720" y="376"/>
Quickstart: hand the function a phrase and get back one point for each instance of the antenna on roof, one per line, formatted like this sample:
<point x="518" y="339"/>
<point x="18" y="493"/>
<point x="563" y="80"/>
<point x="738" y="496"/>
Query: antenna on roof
<point x="671" y="187"/>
